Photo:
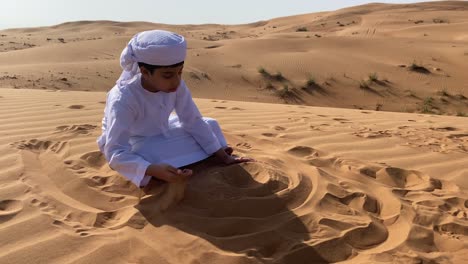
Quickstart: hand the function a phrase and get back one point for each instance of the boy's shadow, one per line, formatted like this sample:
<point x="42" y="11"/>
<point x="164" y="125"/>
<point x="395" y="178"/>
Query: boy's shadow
<point x="242" y="208"/>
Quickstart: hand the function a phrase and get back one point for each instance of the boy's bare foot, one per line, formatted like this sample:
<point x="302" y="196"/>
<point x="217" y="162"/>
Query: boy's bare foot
<point x="229" y="150"/>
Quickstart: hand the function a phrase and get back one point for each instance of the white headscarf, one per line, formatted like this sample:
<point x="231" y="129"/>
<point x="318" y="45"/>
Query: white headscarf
<point x="154" y="47"/>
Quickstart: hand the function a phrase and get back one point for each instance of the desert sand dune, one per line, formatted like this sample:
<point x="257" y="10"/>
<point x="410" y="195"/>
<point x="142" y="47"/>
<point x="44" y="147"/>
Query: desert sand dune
<point x="356" y="120"/>
<point x="404" y="58"/>
<point x="329" y="185"/>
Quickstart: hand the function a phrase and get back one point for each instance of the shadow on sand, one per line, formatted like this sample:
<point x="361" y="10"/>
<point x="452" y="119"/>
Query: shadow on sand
<point x="245" y="209"/>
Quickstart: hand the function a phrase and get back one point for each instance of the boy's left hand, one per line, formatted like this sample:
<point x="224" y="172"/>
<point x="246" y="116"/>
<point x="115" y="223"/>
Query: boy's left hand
<point x="228" y="159"/>
<point x="233" y="160"/>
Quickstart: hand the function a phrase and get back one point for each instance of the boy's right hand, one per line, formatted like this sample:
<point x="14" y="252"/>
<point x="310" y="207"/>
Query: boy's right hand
<point x="168" y="173"/>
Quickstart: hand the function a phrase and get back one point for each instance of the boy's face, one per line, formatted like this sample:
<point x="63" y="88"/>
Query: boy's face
<point x="163" y="79"/>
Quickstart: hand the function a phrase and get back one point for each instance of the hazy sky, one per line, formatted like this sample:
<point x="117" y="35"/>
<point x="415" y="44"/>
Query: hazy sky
<point x="32" y="13"/>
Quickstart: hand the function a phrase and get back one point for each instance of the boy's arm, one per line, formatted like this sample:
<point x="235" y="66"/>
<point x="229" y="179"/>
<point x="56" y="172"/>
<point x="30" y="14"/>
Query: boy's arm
<point x="191" y="120"/>
<point x="117" y="150"/>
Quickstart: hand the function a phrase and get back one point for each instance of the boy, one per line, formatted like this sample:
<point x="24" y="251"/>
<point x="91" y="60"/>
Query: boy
<point x="140" y="138"/>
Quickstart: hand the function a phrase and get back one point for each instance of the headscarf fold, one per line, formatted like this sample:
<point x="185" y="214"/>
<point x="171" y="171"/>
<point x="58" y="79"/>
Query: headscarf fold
<point x="154" y="47"/>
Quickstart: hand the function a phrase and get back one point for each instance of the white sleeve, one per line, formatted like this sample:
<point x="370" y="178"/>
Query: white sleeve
<point x="117" y="149"/>
<point x="192" y="121"/>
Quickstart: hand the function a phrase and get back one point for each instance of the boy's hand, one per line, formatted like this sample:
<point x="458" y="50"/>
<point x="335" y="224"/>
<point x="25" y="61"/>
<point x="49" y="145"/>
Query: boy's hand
<point x="228" y="159"/>
<point x="168" y="173"/>
<point x="233" y="159"/>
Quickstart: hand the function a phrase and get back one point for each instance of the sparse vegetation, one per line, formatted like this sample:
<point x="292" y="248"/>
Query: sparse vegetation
<point x="205" y="75"/>
<point x="373" y="77"/>
<point x="269" y="85"/>
<point x="285" y="92"/>
<point x="460" y="113"/>
<point x="278" y="76"/>
<point x="263" y="71"/>
<point x="302" y="29"/>
<point x="439" y="21"/>
<point x="410" y="93"/>
<point x="428" y="101"/>
<point x="311" y="81"/>
<point x="418" y="68"/>
<point x="443" y="92"/>
<point x="427" y="105"/>
<point x="364" y="84"/>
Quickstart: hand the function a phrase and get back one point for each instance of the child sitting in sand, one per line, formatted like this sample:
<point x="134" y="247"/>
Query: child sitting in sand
<point x="140" y="138"/>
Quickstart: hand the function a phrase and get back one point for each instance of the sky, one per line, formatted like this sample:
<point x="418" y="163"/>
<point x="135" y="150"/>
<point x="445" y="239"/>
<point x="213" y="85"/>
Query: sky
<point x="35" y="13"/>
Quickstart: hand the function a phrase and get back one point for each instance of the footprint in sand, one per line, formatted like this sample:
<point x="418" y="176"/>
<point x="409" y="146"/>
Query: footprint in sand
<point x="365" y="216"/>
<point x="76" y="181"/>
<point x="73" y="165"/>
<point x="54" y="210"/>
<point x="84" y="223"/>
<point x="367" y="237"/>
<point x="244" y="192"/>
<point x="315" y="128"/>
<point x="220" y="107"/>
<point x="444" y="129"/>
<point x="369" y="133"/>
<point x="237" y="108"/>
<point x="76" y="229"/>
<point x="77" y="129"/>
<point x="303" y="151"/>
<point x="357" y="200"/>
<point x="91" y="160"/>
<point x="36" y="145"/>
<point x="342" y="120"/>
<point x="455" y="206"/>
<point x="269" y="134"/>
<point x="457" y="136"/>
<point x="76" y="107"/>
<point x="9" y="208"/>
<point x="97" y="181"/>
<point x="452" y="229"/>
<point x="244" y="145"/>
<point x="94" y="159"/>
<point x="364" y="229"/>
<point x="403" y="179"/>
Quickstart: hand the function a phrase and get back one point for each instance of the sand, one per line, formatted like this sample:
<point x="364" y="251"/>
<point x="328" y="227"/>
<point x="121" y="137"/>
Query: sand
<point x="359" y="58"/>
<point x="331" y="184"/>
